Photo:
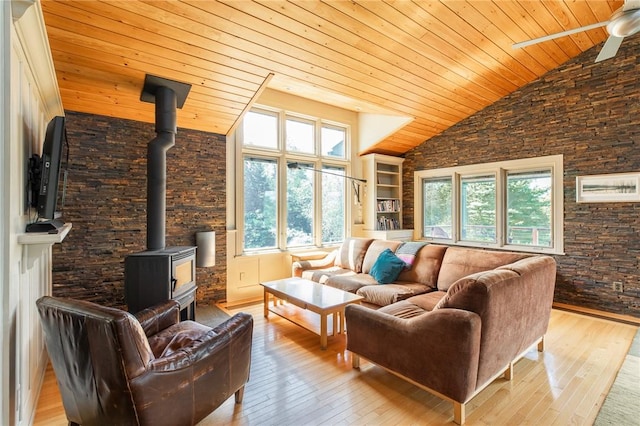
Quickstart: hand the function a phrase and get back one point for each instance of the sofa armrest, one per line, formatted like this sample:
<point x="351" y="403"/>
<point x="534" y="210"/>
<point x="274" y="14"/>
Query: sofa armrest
<point x="156" y="318"/>
<point x="438" y="349"/>
<point x="326" y="262"/>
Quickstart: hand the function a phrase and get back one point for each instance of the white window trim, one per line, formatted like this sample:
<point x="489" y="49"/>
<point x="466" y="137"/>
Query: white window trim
<point x="282" y="156"/>
<point x="499" y="169"/>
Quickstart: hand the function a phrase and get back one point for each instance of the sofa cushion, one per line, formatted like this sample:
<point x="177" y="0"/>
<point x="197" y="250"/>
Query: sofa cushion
<point x="387" y="267"/>
<point x="374" y="251"/>
<point x="351" y="282"/>
<point x="321" y="275"/>
<point x="426" y="266"/>
<point x="351" y="253"/>
<point x="175" y="337"/>
<point x="387" y="294"/>
<point x="402" y="309"/>
<point x="427" y="301"/>
<point x="459" y="262"/>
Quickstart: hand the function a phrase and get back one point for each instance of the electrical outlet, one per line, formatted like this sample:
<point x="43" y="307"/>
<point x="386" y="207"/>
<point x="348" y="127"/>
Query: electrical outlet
<point x="617" y="286"/>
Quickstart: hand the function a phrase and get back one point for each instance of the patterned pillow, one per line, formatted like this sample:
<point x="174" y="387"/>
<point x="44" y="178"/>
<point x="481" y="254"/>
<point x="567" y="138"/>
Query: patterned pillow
<point x="351" y="253"/>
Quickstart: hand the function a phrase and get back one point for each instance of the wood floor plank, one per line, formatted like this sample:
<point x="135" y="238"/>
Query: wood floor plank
<point x="294" y="382"/>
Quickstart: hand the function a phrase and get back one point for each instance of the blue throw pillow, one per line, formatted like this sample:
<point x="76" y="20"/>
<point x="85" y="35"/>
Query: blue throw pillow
<point x="387" y="267"/>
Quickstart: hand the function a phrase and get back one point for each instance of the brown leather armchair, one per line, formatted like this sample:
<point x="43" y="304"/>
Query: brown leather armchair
<point x="116" y="369"/>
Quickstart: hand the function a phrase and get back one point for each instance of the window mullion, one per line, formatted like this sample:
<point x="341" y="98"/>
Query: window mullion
<point x="317" y="206"/>
<point x="239" y="200"/>
<point x="282" y="201"/>
<point x="457" y="202"/>
<point x="501" y="206"/>
<point x="318" y="137"/>
<point x="317" y="187"/>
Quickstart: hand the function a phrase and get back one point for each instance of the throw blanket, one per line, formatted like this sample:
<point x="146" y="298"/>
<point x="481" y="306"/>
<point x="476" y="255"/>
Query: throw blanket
<point x="408" y="251"/>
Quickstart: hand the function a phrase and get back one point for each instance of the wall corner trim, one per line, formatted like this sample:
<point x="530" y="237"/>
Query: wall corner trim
<point x="32" y="36"/>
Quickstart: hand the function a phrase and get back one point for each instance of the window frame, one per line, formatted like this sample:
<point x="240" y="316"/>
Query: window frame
<point x="284" y="157"/>
<point x="474" y="177"/>
<point x="500" y="169"/>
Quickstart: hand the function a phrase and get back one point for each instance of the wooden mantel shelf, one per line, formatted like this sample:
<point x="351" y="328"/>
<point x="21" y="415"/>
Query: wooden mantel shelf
<point x="32" y="238"/>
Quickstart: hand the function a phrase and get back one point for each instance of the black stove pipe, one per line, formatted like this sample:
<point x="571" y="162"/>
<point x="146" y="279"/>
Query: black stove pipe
<point x="165" y="103"/>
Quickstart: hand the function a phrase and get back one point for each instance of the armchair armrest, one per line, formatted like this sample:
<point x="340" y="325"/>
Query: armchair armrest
<point x="326" y="262"/>
<point x="438" y="349"/>
<point x="156" y="318"/>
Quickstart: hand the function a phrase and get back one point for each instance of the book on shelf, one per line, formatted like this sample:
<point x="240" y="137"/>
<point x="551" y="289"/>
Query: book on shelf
<point x="387" y="224"/>
<point x="392" y="205"/>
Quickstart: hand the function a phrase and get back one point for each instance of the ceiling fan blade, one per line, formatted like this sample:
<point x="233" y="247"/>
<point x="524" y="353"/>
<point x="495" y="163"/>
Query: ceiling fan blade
<point x="610" y="48"/>
<point x="560" y="34"/>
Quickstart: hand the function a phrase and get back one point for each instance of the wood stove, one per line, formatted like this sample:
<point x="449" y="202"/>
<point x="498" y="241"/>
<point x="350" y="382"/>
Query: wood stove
<point x="155" y="276"/>
<point x="161" y="273"/>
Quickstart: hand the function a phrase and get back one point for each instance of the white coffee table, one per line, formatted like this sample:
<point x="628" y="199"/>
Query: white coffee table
<point x="310" y="295"/>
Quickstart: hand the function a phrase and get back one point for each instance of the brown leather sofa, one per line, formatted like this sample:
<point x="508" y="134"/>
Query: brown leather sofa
<point x="454" y="322"/>
<point x="116" y="369"/>
<point x="455" y="342"/>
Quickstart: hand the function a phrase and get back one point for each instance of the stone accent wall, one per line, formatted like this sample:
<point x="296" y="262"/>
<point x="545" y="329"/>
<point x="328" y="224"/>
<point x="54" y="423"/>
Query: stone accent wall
<point x="106" y="201"/>
<point x="590" y="113"/>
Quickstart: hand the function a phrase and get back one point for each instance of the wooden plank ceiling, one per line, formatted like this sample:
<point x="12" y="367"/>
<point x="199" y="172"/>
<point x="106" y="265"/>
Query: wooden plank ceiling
<point x="437" y="61"/>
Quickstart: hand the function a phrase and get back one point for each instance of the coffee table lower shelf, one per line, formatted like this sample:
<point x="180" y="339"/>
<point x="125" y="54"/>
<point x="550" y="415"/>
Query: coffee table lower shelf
<point x="308" y="320"/>
<point x="329" y="303"/>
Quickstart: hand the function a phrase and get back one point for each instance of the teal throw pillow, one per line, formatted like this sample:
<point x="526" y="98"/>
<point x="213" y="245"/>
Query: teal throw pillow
<point x="387" y="267"/>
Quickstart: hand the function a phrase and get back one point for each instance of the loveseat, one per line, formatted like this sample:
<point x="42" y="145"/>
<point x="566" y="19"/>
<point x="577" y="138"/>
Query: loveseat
<point x="455" y="321"/>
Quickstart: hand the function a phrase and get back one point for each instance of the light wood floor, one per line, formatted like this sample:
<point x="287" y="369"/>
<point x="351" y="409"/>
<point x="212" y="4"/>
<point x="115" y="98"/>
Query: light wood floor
<point x="293" y="382"/>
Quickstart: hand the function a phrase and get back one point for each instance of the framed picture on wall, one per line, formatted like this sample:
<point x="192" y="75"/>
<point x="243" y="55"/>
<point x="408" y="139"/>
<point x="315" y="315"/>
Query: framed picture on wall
<point x="617" y="187"/>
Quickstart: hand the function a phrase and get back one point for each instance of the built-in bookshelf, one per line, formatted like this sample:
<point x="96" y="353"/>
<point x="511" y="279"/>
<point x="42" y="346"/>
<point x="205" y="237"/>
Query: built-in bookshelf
<point x="383" y="197"/>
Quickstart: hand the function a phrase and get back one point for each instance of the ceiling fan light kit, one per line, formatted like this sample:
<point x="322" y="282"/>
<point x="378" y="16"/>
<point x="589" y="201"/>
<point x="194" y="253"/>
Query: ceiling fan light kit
<point x="623" y="23"/>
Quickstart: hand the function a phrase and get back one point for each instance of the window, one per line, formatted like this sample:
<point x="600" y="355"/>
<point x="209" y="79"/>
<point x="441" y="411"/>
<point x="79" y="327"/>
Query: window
<point x="300" y="135"/>
<point x="260" y="202"/>
<point x="333" y="141"/>
<point x="438" y="221"/>
<point x="260" y="128"/>
<point x="300" y="205"/>
<point x="516" y="205"/>
<point x="529" y="208"/>
<point x="478" y="208"/>
<point x="333" y="204"/>
<point x="294" y="192"/>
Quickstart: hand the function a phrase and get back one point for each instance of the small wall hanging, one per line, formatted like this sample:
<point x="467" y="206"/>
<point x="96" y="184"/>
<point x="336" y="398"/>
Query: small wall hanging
<point x="618" y="187"/>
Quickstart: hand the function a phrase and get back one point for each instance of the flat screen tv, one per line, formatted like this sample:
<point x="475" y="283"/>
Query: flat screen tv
<point x="46" y="178"/>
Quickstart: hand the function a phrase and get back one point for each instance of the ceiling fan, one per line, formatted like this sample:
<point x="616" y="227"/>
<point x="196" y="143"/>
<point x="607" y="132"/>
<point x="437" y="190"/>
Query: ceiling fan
<point x="623" y="23"/>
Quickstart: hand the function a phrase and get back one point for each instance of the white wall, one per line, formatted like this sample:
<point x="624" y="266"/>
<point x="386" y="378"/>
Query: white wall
<point x="29" y="99"/>
<point x="5" y="305"/>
